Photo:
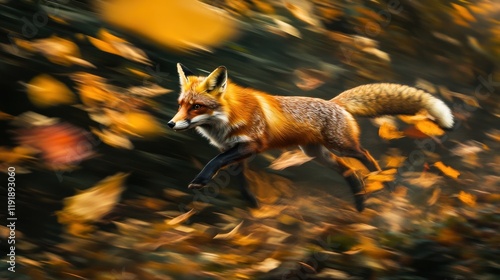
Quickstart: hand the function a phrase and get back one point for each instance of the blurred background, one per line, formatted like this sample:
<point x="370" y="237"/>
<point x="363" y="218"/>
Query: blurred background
<point x="101" y="183"/>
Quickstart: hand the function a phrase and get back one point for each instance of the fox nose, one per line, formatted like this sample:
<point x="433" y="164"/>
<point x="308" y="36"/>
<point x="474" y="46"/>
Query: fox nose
<point x="171" y="124"/>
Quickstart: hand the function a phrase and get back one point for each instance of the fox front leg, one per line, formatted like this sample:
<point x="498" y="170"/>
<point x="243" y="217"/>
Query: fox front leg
<point x="238" y="152"/>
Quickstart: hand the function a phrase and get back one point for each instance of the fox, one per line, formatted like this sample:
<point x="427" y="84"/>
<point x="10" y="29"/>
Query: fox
<point x="242" y="122"/>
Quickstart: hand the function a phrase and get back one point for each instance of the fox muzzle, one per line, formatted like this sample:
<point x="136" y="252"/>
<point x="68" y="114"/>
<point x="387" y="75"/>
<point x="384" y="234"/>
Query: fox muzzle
<point x="180" y="125"/>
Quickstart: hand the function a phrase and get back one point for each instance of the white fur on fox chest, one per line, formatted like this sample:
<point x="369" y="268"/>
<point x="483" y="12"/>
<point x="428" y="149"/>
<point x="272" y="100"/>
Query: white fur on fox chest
<point x="217" y="132"/>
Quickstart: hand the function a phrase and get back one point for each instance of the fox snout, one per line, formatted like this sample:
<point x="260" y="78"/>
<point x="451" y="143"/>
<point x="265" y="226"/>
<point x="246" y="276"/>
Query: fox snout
<point x="171" y="124"/>
<point x="179" y="125"/>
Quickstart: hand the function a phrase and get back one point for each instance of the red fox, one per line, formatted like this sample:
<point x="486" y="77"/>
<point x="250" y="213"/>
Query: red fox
<point x="243" y="121"/>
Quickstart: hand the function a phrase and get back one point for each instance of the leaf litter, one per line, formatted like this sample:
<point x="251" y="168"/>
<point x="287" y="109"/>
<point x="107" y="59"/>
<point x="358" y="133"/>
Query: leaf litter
<point x="432" y="211"/>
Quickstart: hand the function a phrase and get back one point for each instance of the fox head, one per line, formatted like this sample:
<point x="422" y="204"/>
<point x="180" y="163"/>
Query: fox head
<point x="199" y="99"/>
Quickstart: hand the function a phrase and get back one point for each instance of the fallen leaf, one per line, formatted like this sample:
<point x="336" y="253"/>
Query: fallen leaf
<point x="62" y="145"/>
<point x="230" y="234"/>
<point x="113" y="139"/>
<point x="309" y="79"/>
<point x="303" y="10"/>
<point x="138" y="123"/>
<point x="378" y="53"/>
<point x="290" y="158"/>
<point x="57" y="50"/>
<point x="382" y="176"/>
<point x="373" y="186"/>
<point x="414" y="133"/>
<point x="282" y="26"/>
<point x="423" y="179"/>
<point x="426" y="86"/>
<point x="45" y="91"/>
<point x="435" y="196"/>
<point x="148" y="91"/>
<point x="308" y="267"/>
<point x="17" y="154"/>
<point x="198" y="25"/>
<point x="389" y="132"/>
<point x="462" y="15"/>
<point x="5" y="116"/>
<point x="394" y="161"/>
<point x="467" y="99"/>
<point x="429" y="128"/>
<point x="267" y="265"/>
<point x="329" y="273"/>
<point x="361" y="227"/>
<point x="181" y="218"/>
<point x="448" y="171"/>
<point x="467" y="198"/>
<point x="92" y="204"/>
<point x="494" y="134"/>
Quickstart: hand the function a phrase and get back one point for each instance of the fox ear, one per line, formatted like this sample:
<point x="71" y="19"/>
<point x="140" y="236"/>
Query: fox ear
<point x="184" y="72"/>
<point x="217" y="80"/>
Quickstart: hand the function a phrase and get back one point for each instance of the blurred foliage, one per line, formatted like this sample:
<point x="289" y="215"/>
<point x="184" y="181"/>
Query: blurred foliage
<point x="101" y="183"/>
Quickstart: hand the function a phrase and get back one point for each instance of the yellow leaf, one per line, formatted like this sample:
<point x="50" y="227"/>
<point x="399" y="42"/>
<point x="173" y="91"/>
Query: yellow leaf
<point x="267" y="265"/>
<point x="394" y="161"/>
<point x="230" y="234"/>
<point x="45" y="91"/>
<point x="139" y="124"/>
<point x="448" y="171"/>
<point x="361" y="227"/>
<point x="197" y="25"/>
<point x="148" y="91"/>
<point x="383" y="176"/>
<point x="467" y="198"/>
<point x="389" y="132"/>
<point x="103" y="46"/>
<point x="112" y="139"/>
<point x="494" y="134"/>
<point x="57" y="50"/>
<point x="105" y="35"/>
<point x="304" y="11"/>
<point x="17" y="154"/>
<point x="181" y="218"/>
<point x="92" y="204"/>
<point x="429" y="128"/>
<point x="464" y="12"/>
<point x="435" y="196"/>
<point x="139" y="73"/>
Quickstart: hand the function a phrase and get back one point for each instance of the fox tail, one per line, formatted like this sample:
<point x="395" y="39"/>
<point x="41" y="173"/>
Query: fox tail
<point x="374" y="100"/>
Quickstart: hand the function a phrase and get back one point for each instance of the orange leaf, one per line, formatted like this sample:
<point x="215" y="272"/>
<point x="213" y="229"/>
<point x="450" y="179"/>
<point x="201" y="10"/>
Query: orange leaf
<point x="448" y="171"/>
<point x="373" y="186"/>
<point x="389" y="132"/>
<point x="394" y="161"/>
<point x="467" y="198"/>
<point x="429" y="128"/>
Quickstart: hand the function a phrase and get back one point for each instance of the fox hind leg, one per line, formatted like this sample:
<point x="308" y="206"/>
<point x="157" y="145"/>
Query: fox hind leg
<point x="364" y="156"/>
<point x="240" y="179"/>
<point x="323" y="156"/>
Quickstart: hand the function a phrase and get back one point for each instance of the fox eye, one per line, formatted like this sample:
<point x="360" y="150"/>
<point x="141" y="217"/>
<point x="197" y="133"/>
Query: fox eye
<point x="196" y="106"/>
